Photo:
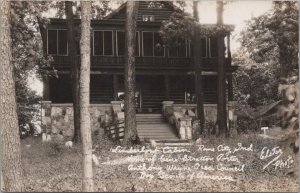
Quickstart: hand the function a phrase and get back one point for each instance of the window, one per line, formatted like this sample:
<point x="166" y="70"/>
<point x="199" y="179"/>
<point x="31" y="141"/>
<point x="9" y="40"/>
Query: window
<point x="179" y="49"/>
<point x="148" y="18"/>
<point x="203" y="47"/>
<point x="213" y="47"/>
<point x="103" y="43"/>
<point x="57" y="42"/>
<point x="152" y="44"/>
<point x="121" y="44"/>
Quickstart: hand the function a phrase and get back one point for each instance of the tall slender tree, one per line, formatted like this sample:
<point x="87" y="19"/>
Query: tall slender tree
<point x="198" y="70"/>
<point x="84" y="97"/>
<point x="74" y="68"/>
<point x="131" y="135"/>
<point x="11" y="172"/>
<point x="221" y="107"/>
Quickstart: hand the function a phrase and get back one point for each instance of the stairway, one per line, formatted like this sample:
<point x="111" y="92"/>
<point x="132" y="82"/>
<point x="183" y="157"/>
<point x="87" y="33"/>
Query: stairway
<point x="154" y="126"/>
<point x="152" y="99"/>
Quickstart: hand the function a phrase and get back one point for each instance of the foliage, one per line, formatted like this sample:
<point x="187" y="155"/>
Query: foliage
<point x="99" y="9"/>
<point x="289" y="111"/>
<point x="272" y="38"/>
<point x="255" y="84"/>
<point x="269" y="51"/>
<point x="181" y="25"/>
<point x="27" y="56"/>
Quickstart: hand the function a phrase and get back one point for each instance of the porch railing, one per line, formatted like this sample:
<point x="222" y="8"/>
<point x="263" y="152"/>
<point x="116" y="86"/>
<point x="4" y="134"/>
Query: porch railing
<point x="115" y="131"/>
<point x="142" y="62"/>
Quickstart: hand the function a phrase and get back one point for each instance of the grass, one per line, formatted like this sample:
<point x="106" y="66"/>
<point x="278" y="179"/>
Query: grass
<point x="52" y="167"/>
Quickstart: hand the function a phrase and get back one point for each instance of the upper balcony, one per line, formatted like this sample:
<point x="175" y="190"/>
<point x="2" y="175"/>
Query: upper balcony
<point x="108" y="50"/>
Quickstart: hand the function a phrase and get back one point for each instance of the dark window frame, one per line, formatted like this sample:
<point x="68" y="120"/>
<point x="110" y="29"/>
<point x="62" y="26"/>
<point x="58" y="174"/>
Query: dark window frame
<point x="57" y="54"/>
<point x="143" y="55"/>
<point x="187" y="51"/>
<point x="209" y="48"/>
<point x="139" y="45"/>
<point x="103" y="46"/>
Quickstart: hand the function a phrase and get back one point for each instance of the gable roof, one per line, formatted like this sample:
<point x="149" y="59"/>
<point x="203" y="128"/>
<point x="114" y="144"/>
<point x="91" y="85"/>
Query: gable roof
<point x="161" y="10"/>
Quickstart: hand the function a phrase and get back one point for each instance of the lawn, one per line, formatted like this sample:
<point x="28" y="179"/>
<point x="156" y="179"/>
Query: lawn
<point x="53" y="167"/>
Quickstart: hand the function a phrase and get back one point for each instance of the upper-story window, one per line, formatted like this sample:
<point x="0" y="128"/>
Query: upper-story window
<point x="204" y="47"/>
<point x="103" y="43"/>
<point x="213" y="47"/>
<point x="209" y="47"/>
<point x="121" y="43"/>
<point x="152" y="44"/>
<point x="179" y="49"/>
<point x="148" y="18"/>
<point x="57" y="42"/>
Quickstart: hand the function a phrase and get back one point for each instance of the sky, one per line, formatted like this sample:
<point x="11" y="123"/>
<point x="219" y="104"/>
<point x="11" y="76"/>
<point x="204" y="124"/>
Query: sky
<point x="236" y="12"/>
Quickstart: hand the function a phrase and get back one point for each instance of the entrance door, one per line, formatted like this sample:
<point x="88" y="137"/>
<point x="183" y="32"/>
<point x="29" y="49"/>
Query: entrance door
<point x="151" y="93"/>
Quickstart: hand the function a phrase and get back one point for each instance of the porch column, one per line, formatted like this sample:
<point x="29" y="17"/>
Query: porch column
<point x="230" y="89"/>
<point x="167" y="87"/>
<point x="115" y="85"/>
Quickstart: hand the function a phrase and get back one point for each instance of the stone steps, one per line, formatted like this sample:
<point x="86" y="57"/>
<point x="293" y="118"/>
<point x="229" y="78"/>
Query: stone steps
<point x="154" y="127"/>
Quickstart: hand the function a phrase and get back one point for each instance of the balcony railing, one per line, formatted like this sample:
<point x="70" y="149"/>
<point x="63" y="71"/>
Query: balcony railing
<point x="104" y="62"/>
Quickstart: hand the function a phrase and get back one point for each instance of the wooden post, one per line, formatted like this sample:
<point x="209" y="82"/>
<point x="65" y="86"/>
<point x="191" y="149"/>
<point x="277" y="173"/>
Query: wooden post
<point x="115" y="83"/>
<point x="167" y="87"/>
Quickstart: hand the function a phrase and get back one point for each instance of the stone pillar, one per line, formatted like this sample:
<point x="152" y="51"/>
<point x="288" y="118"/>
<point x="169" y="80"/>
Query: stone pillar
<point x="167" y="104"/>
<point x="46" y="116"/>
<point x="185" y="128"/>
<point x="116" y="108"/>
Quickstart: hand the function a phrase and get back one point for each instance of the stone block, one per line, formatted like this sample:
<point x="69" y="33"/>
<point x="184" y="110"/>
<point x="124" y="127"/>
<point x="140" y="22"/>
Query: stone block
<point x="54" y="129"/>
<point x="188" y="132"/>
<point x="69" y="111"/>
<point x="191" y="113"/>
<point x="182" y="134"/>
<point x="56" y="111"/>
<point x="120" y="116"/>
<point x="169" y="111"/>
<point x="46" y="120"/>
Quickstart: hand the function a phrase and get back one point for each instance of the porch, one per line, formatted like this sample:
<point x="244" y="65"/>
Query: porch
<point x="175" y="122"/>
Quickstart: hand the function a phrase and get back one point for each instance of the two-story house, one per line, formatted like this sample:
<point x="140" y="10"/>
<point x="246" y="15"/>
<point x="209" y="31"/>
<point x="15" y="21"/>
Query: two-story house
<point x="162" y="73"/>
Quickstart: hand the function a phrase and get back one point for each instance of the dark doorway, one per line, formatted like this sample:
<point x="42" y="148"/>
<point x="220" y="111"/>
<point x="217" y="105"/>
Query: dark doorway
<point x="151" y="92"/>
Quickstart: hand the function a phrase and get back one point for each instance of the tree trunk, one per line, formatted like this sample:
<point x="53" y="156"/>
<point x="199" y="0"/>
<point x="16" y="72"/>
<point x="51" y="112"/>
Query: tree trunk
<point x="198" y="72"/>
<point x="74" y="68"/>
<point x="84" y="97"/>
<point x="131" y="135"/>
<point x="221" y="107"/>
<point x="11" y="151"/>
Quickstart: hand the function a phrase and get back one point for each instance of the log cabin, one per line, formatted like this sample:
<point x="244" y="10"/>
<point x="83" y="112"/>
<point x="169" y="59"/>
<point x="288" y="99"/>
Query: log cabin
<point x="164" y="75"/>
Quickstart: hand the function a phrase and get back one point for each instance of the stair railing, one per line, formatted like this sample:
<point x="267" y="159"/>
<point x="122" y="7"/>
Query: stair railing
<point x="115" y="131"/>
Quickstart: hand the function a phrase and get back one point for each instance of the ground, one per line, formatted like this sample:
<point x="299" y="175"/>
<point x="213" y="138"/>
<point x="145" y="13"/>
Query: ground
<point x="52" y="167"/>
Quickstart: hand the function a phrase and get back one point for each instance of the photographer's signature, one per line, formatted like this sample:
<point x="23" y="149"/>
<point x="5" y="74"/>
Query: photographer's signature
<point x="275" y="154"/>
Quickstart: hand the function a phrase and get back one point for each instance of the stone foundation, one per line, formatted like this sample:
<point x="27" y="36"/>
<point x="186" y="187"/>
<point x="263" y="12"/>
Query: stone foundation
<point x="183" y="116"/>
<point x="59" y="119"/>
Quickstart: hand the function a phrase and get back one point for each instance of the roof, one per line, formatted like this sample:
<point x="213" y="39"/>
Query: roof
<point x="142" y="5"/>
